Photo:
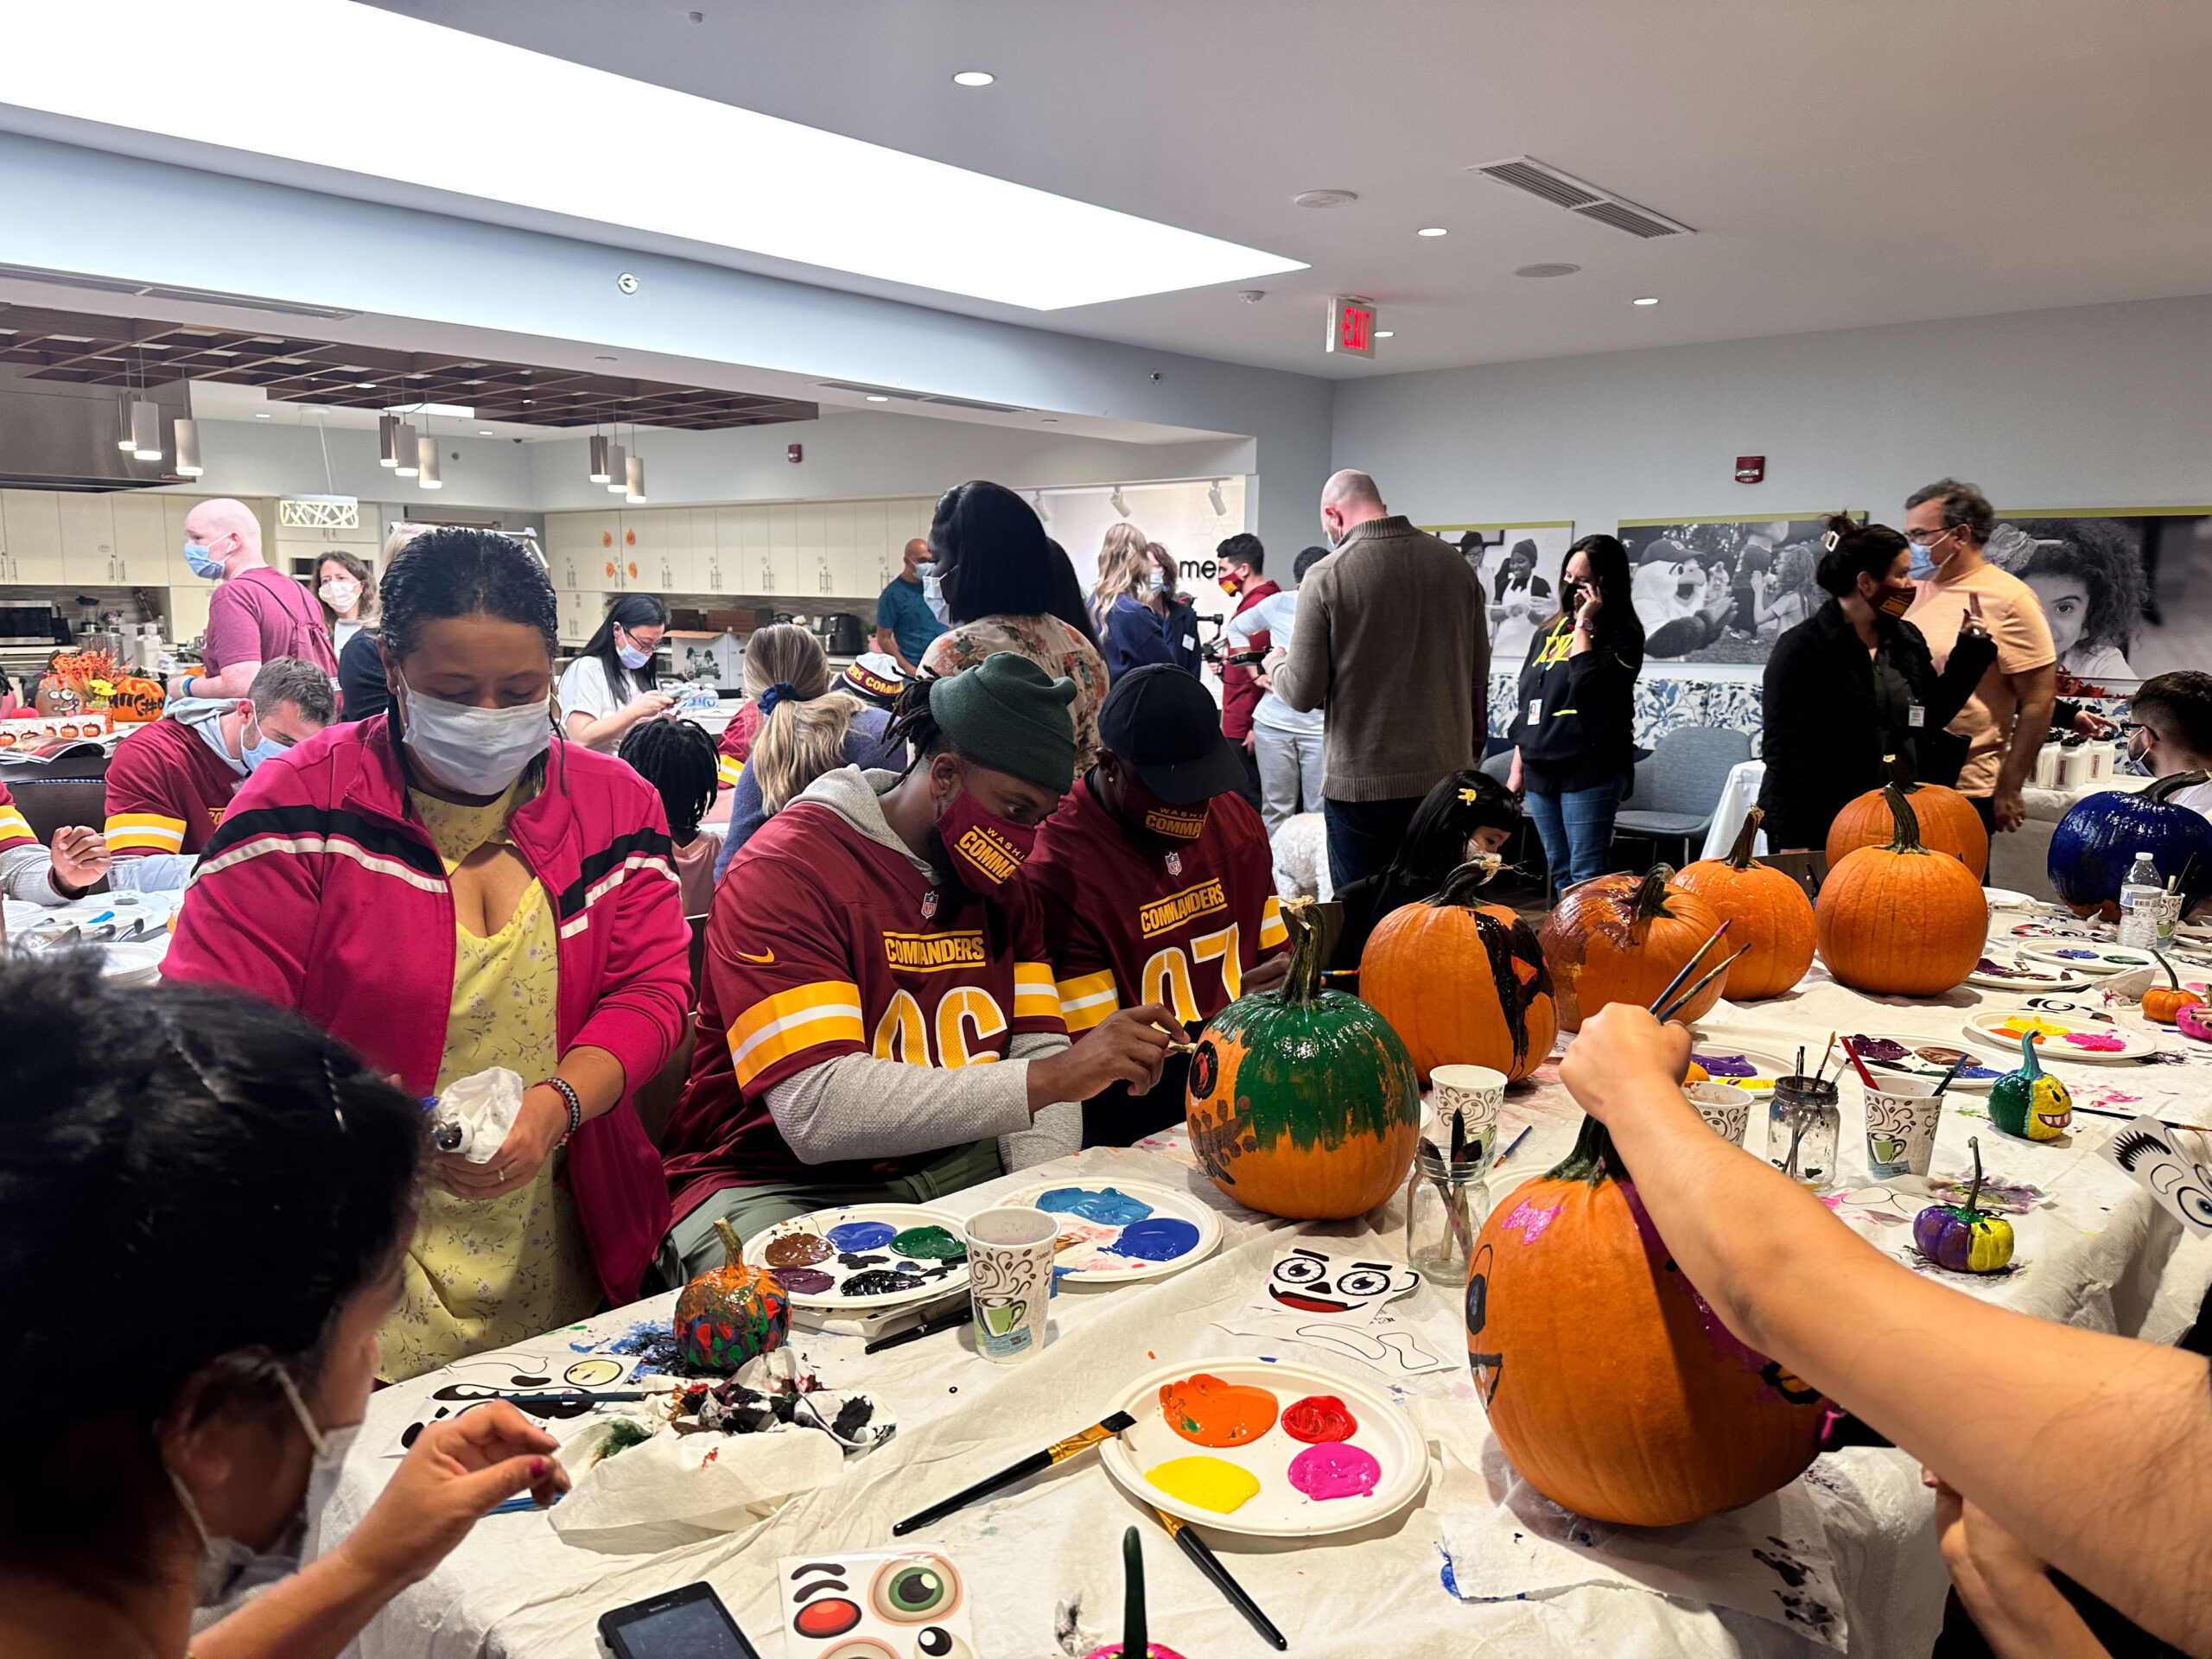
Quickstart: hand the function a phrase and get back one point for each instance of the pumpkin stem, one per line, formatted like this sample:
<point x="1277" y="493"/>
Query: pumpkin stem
<point x="1594" y="1159"/>
<point x="733" y="1247"/>
<point x="1651" y="893"/>
<point x="1973" y="1192"/>
<point x="2174" y="781"/>
<point x="2157" y="957"/>
<point x="1899" y="772"/>
<point x="1739" y="855"/>
<point x="2029" y="1064"/>
<point x="1303" y="983"/>
<point x="1907" y="837"/>
<point x="1459" y="887"/>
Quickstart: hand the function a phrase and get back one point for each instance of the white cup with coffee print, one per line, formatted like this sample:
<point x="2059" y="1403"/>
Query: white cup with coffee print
<point x="1010" y="1280"/>
<point x="1901" y="1118"/>
<point x="1725" y="1108"/>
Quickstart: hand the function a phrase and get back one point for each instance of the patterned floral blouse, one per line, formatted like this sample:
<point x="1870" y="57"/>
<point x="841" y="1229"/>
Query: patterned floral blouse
<point x="1045" y="640"/>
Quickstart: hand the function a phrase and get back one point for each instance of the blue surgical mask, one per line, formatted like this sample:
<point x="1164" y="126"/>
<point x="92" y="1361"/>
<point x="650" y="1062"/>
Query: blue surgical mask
<point x="1925" y="564"/>
<point x="933" y="595"/>
<point x="261" y="752"/>
<point x="203" y="562"/>
<point x="1155" y="584"/>
<point x="476" y="751"/>
<point x="632" y="657"/>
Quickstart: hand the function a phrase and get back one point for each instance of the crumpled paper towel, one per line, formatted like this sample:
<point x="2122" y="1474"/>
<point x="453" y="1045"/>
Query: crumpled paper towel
<point x="473" y="1115"/>
<point x="681" y="1487"/>
<point x="1505" y="1540"/>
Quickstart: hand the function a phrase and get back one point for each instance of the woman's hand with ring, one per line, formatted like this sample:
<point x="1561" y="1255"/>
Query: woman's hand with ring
<point x="537" y="1129"/>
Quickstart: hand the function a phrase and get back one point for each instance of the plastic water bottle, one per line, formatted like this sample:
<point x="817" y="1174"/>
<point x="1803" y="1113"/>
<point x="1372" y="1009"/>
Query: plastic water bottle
<point x="2141" y="897"/>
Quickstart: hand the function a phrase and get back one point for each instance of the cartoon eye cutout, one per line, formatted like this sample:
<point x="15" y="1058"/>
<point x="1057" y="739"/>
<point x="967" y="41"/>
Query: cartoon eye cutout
<point x="938" y="1642"/>
<point x="860" y="1647"/>
<point x="915" y="1590"/>
<point x="1301" y="1270"/>
<point x="832" y="1616"/>
<point x="592" y="1373"/>
<point x="2194" y="1202"/>
<point x="1363" y="1281"/>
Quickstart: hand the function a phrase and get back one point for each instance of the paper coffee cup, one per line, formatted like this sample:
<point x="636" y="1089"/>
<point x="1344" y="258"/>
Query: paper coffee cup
<point x="1478" y="1094"/>
<point x="1010" y="1280"/>
<point x="1725" y="1108"/>
<point x="1901" y="1117"/>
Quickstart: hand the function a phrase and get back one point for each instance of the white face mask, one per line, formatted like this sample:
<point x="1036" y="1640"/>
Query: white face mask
<point x="933" y="595"/>
<point x="339" y="594"/>
<point x="475" y="751"/>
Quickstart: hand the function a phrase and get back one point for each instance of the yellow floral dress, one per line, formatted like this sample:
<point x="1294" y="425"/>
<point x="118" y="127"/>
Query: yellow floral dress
<point x="482" y="1273"/>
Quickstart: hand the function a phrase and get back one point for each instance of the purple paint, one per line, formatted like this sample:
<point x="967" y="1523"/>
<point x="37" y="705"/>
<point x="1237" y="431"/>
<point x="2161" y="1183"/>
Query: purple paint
<point x="1322" y="1473"/>
<point x="1725" y="1065"/>
<point x="1159" y="1239"/>
<point x="862" y="1235"/>
<point x="806" y="1281"/>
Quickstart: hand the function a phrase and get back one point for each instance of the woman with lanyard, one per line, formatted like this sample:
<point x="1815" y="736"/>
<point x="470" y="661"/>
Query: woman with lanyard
<point x="450" y="890"/>
<point x="1854" y="685"/>
<point x="612" y="684"/>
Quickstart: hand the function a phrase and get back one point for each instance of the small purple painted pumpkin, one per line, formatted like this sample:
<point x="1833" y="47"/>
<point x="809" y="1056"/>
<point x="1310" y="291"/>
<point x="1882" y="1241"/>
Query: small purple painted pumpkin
<point x="1965" y="1238"/>
<point x="731" y="1313"/>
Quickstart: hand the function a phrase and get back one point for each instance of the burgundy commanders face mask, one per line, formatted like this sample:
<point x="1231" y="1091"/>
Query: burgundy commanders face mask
<point x="1178" y="826"/>
<point x="986" y="849"/>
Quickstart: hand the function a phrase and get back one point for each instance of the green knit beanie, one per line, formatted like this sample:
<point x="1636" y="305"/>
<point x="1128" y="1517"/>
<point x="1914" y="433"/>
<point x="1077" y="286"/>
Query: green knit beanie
<point x="1008" y="714"/>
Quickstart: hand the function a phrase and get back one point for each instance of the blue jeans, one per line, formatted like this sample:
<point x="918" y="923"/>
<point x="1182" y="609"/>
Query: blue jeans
<point x="1576" y="827"/>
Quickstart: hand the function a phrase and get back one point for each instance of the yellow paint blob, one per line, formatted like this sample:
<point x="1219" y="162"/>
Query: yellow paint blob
<point x="1206" y="1483"/>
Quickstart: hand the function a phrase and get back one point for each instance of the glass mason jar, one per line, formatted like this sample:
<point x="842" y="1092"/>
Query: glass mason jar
<point x="1445" y="1208"/>
<point x="1804" y="1126"/>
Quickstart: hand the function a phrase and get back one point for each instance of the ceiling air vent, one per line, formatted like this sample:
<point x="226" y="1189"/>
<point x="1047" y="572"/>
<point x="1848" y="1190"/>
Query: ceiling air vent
<point x="901" y="395"/>
<point x="169" y="291"/>
<point x="1581" y="198"/>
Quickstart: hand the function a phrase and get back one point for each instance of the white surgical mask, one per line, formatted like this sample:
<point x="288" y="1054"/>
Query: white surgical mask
<point x="339" y="594"/>
<point x="933" y="595"/>
<point x="476" y="751"/>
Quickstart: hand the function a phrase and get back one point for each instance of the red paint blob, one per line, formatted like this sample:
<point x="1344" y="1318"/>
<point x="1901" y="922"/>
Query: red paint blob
<point x="831" y="1616"/>
<point x="1319" y="1419"/>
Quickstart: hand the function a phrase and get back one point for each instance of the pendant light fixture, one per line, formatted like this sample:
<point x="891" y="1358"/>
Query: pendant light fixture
<point x="146" y="430"/>
<point x="387" y="439"/>
<point x="599" y="473"/>
<point x="123" y="440"/>
<point x="405" y="447"/>
<point x="617" y="470"/>
<point x="634" y="476"/>
<point x="187" y="449"/>
<point x="426" y="462"/>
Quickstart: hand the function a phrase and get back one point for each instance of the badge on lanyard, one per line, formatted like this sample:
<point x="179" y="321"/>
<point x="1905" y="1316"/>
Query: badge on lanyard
<point x="1535" y="711"/>
<point x="1916" y="716"/>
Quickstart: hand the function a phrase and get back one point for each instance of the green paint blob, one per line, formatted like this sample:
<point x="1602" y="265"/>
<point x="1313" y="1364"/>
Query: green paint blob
<point x="1322" y="1072"/>
<point x="928" y="1244"/>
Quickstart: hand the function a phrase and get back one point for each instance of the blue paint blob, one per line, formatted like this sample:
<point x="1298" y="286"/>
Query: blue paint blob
<point x="1106" y="1207"/>
<point x="862" y="1235"/>
<point x="1161" y="1238"/>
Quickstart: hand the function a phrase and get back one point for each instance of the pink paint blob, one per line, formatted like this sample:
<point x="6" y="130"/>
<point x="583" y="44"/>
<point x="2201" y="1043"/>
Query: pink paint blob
<point x="2098" y="1040"/>
<point x="1334" y="1471"/>
<point x="1531" y="1221"/>
<point x="1114" y="1651"/>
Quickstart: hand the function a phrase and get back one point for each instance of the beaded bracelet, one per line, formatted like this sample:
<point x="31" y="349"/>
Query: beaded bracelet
<point x="567" y="1090"/>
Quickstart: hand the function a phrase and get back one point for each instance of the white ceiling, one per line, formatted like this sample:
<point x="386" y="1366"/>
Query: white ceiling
<point x="1880" y="161"/>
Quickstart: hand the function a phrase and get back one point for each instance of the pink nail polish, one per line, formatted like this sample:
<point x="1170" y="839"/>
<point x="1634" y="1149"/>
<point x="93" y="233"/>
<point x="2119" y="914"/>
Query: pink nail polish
<point x="537" y="1468"/>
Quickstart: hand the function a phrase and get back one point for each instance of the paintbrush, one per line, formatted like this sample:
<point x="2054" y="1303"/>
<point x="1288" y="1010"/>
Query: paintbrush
<point x="1951" y="1076"/>
<point x="1825" y="1054"/>
<point x="1208" y="1563"/>
<point x="1865" y="1076"/>
<point x="1689" y="967"/>
<point x="1800" y="1071"/>
<point x="1458" y="1138"/>
<point x="1059" y="1451"/>
<point x="1136" y="1637"/>
<point x="1516" y="1146"/>
<point x="1690" y="995"/>
<point x="573" y="1396"/>
<point x="952" y="1321"/>
<point x="1452" y="1214"/>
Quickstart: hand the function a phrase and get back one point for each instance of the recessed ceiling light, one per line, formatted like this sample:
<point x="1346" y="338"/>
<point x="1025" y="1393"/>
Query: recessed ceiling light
<point x="602" y="357"/>
<point x="1050" y="420"/>
<point x="1323" y="198"/>
<point x="1432" y="230"/>
<point x="1547" y="270"/>
<point x="365" y="385"/>
<point x="877" y="397"/>
<point x="261" y="415"/>
<point x="1648" y="299"/>
<point x="486" y="432"/>
<point x="1386" y="334"/>
<point x="805" y="196"/>
<point x="974" y="78"/>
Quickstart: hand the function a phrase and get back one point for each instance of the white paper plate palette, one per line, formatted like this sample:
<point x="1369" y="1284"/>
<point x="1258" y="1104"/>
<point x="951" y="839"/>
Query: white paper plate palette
<point x="1898" y="1053"/>
<point x="2088" y="956"/>
<point x="1268" y="1451"/>
<point x="862" y="1258"/>
<point x="2059" y="1036"/>
<point x="1751" y="1070"/>
<point x="1123" y="1232"/>
<point x="2000" y="970"/>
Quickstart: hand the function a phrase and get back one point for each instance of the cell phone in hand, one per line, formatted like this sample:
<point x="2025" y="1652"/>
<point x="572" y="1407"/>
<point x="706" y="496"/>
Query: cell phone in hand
<point x="687" y="1623"/>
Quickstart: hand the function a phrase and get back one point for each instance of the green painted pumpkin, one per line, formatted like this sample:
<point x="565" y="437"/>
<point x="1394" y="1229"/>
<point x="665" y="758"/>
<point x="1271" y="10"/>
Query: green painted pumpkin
<point x="2030" y="1103"/>
<point x="731" y="1313"/>
<point x="1303" y="1103"/>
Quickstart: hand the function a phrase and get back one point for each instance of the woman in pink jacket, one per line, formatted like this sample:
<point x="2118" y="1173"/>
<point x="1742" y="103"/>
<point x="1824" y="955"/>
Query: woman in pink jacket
<point x="452" y="889"/>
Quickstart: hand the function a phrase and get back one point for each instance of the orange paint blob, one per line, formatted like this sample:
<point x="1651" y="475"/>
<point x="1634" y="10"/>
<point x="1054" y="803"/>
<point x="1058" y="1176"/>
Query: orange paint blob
<point x="1206" y="1411"/>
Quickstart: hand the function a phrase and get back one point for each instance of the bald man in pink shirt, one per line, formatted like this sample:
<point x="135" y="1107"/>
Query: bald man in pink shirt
<point x="258" y="613"/>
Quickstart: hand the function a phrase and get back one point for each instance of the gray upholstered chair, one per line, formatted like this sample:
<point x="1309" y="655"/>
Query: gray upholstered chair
<point x="1679" y="784"/>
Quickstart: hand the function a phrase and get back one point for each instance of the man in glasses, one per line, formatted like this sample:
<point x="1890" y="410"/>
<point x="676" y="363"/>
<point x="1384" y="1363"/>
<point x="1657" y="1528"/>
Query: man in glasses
<point x="2170" y="730"/>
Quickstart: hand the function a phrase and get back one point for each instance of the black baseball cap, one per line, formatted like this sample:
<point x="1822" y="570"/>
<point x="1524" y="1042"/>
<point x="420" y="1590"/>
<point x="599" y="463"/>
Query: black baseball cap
<point x="1166" y="725"/>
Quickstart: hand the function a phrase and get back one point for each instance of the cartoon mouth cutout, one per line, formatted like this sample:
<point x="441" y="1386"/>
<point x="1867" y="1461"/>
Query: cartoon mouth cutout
<point x="1304" y="1304"/>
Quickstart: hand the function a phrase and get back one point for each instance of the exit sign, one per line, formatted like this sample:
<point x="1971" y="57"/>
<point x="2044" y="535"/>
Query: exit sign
<point x="1352" y="326"/>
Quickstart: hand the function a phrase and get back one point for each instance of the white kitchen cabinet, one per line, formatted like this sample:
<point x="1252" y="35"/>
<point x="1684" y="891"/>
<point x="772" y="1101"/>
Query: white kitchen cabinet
<point x="774" y="565"/>
<point x="579" y="613"/>
<point x="33" y="518"/>
<point x="87" y="540"/>
<point x="187" y="610"/>
<point x="875" y="562"/>
<point x="579" y="551"/>
<point x="657" y="546"/>
<point x="141" y="553"/>
<point x="715" y="561"/>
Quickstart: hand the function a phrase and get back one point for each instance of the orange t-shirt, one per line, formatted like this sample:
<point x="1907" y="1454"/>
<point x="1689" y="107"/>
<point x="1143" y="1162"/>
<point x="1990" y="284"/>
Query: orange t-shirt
<point x="2014" y="616"/>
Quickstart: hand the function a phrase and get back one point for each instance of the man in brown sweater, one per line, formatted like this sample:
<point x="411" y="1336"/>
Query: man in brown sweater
<point x="1390" y="642"/>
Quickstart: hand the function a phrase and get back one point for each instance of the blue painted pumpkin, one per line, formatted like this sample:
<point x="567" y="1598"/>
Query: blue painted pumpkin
<point x="2097" y="841"/>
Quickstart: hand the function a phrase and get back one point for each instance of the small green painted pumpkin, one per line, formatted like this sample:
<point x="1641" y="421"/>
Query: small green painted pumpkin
<point x="1303" y="1103"/>
<point x="1965" y="1238"/>
<point x="2030" y="1103"/>
<point x="731" y="1313"/>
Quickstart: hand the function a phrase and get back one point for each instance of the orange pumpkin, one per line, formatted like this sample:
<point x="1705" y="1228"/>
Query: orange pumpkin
<point x="1900" y="920"/>
<point x="2163" y="1003"/>
<point x="1772" y="935"/>
<point x="1949" y="823"/>
<point x="1608" y="1381"/>
<point x="1623" y="938"/>
<point x="135" y="701"/>
<point x="1303" y="1103"/>
<point x="1462" y="983"/>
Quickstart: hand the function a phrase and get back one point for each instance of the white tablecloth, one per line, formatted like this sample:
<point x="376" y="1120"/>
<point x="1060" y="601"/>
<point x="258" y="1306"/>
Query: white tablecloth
<point x="2096" y="1254"/>
<point x="1739" y="795"/>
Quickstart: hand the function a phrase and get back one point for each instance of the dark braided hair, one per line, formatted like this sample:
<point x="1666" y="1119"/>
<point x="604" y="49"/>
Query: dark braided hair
<point x="912" y="724"/>
<point x="681" y="760"/>
<point x="194" y="1184"/>
<point x="455" y="571"/>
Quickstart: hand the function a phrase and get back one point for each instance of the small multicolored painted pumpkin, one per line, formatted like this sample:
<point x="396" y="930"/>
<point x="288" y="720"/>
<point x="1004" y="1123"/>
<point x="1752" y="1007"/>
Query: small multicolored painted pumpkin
<point x="2030" y="1103"/>
<point x="731" y="1313"/>
<point x="2095" y="844"/>
<point x="1772" y="935"/>
<point x="1608" y="1380"/>
<point x="135" y="701"/>
<point x="1623" y="938"/>
<point x="1303" y="1103"/>
<point x="2163" y="1002"/>
<point x="1463" y="983"/>
<point x="1964" y="1237"/>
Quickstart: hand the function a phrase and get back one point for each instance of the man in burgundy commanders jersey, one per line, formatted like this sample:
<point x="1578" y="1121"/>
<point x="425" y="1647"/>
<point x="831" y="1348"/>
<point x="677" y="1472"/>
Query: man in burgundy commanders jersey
<point x="1156" y="884"/>
<point x="73" y="867"/>
<point x="878" y="1021"/>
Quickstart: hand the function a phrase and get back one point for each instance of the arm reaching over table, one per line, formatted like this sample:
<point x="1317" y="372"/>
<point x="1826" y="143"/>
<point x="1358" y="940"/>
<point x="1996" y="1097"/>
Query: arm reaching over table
<point x="2090" y="1450"/>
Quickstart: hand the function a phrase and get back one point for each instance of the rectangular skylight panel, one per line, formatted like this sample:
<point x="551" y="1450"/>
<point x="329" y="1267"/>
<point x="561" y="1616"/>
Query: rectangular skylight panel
<point x="334" y="84"/>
